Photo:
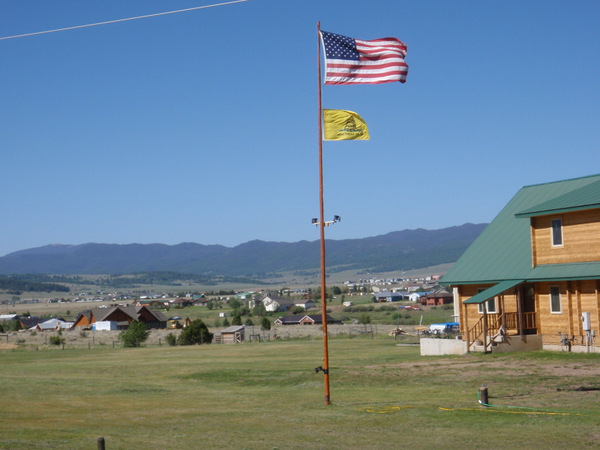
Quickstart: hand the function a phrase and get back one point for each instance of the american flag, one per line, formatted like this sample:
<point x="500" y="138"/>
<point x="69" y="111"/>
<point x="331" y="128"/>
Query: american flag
<point x="353" y="61"/>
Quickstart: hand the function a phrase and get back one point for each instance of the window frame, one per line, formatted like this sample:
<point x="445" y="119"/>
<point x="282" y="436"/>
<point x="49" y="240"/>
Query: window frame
<point x="555" y="296"/>
<point x="557" y="241"/>
<point x="487" y="304"/>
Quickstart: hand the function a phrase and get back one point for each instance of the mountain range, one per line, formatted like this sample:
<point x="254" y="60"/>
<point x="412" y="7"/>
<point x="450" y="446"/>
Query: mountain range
<point x="399" y="250"/>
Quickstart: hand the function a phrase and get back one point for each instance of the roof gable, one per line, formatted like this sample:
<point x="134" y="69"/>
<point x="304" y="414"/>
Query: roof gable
<point x="503" y="250"/>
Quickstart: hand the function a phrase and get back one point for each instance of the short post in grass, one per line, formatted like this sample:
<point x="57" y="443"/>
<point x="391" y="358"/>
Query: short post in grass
<point x="483" y="395"/>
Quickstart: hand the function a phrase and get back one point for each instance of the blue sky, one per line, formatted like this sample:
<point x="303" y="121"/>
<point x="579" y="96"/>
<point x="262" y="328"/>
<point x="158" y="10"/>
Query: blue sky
<point x="202" y="126"/>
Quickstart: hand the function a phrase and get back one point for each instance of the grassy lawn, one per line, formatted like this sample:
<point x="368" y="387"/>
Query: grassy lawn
<point x="267" y="395"/>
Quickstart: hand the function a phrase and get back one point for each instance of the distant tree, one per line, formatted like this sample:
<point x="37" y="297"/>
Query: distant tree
<point x="210" y="304"/>
<point x="259" y="310"/>
<point x="249" y="322"/>
<point x="265" y="324"/>
<point x="14" y="325"/>
<point x="226" y="322"/>
<point x="336" y="290"/>
<point x="316" y="295"/>
<point x="135" y="334"/>
<point x="364" y="318"/>
<point x="297" y="309"/>
<point x="234" y="303"/>
<point x="195" y="333"/>
<point x="237" y="320"/>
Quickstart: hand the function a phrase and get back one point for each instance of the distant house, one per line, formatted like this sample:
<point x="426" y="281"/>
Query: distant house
<point x="387" y="296"/>
<point x="199" y="300"/>
<point x="416" y="296"/>
<point x="123" y="315"/>
<point x="30" y="322"/>
<point x="8" y="317"/>
<point x="52" y="324"/>
<point x="182" y="302"/>
<point x="275" y="303"/>
<point x="306" y="304"/>
<point x="304" y="319"/>
<point x="148" y="302"/>
<point x="437" y="298"/>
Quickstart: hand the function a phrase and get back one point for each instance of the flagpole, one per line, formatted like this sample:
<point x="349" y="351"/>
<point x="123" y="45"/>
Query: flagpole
<point x="325" y="366"/>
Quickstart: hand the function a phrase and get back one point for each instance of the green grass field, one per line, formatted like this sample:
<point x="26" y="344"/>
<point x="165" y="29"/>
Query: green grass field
<point x="267" y="395"/>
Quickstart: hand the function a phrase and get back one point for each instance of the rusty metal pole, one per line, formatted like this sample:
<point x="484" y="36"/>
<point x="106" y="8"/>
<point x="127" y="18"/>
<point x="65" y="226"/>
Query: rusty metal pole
<point x="322" y="228"/>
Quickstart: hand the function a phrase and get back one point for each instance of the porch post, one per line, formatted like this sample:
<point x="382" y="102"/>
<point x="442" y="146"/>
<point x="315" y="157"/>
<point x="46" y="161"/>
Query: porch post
<point x="520" y="311"/>
<point x="503" y="326"/>
<point x="456" y="303"/>
<point x="466" y="316"/>
<point x="485" y="328"/>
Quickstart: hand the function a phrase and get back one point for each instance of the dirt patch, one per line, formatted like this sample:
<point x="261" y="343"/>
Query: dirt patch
<point x="4" y="346"/>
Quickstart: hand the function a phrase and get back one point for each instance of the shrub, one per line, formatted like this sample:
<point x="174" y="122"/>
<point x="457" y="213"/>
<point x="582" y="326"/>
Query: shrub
<point x="171" y="339"/>
<point x="195" y="333"/>
<point x="365" y="318"/>
<point x="134" y="335"/>
<point x="56" y="340"/>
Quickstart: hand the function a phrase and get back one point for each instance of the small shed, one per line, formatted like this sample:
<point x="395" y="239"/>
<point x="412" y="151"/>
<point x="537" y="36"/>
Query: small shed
<point x="233" y="335"/>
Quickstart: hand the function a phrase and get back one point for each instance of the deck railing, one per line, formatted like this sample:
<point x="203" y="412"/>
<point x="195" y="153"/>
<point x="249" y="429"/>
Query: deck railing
<point x="494" y="325"/>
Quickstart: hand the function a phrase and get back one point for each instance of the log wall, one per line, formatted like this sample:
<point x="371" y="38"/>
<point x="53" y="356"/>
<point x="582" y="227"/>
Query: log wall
<point x="581" y="238"/>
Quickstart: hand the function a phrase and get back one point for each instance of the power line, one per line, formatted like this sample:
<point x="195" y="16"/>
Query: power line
<point x="121" y="20"/>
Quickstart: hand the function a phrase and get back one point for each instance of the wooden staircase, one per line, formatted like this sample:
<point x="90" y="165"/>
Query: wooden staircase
<point x="490" y="329"/>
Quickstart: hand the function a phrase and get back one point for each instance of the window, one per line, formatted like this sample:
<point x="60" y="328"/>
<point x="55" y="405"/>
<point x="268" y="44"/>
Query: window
<point x="557" y="232"/>
<point x="490" y="305"/>
<point x="555" y="306"/>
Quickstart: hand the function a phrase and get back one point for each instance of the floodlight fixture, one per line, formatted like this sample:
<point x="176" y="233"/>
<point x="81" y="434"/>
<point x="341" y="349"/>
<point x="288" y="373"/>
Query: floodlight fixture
<point x="327" y="222"/>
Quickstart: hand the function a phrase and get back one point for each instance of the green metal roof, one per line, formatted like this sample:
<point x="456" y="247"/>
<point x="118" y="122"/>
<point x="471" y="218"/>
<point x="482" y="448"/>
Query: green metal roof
<point x="493" y="291"/>
<point x="586" y="197"/>
<point x="503" y="250"/>
<point x="571" y="271"/>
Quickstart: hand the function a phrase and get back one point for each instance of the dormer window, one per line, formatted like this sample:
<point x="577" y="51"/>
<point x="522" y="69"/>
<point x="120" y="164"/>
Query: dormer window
<point x="557" y="238"/>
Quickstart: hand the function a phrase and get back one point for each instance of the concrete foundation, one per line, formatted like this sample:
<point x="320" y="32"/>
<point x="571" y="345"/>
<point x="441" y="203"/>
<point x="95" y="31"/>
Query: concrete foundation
<point x="434" y="347"/>
<point x="516" y="344"/>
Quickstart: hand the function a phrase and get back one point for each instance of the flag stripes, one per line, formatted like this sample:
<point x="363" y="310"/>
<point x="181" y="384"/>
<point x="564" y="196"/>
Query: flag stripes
<point x="356" y="61"/>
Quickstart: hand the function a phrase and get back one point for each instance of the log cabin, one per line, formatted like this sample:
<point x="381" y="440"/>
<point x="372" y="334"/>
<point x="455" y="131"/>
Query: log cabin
<point x="531" y="280"/>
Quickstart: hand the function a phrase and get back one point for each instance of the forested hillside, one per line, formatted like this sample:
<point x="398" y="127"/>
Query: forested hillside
<point x="400" y="250"/>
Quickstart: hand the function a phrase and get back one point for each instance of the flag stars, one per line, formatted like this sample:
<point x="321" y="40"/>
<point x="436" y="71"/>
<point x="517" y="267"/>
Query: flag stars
<point x="340" y="47"/>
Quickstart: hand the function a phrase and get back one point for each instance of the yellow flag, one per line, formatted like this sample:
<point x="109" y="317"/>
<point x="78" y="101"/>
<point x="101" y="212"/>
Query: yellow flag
<point x="343" y="125"/>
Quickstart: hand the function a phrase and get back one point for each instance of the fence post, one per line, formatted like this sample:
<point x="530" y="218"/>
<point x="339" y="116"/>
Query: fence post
<point x="100" y="443"/>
